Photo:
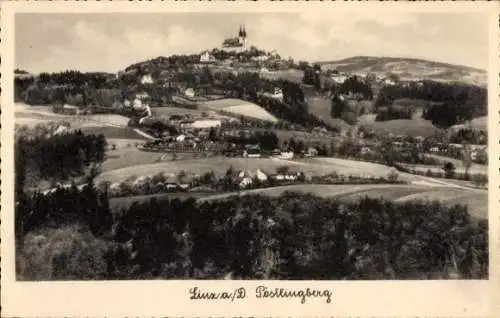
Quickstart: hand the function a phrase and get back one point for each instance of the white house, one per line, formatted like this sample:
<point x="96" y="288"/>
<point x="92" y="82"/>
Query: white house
<point x="286" y="155"/>
<point x="246" y="182"/>
<point x="61" y="130"/>
<point x="389" y="82"/>
<point x="206" y="57"/>
<point x="137" y="104"/>
<point x="365" y="150"/>
<point x="142" y="95"/>
<point x="339" y="78"/>
<point x="277" y="94"/>
<point x="180" y="138"/>
<point x="251" y="155"/>
<point x="260" y="58"/>
<point x="189" y="92"/>
<point x="147" y="79"/>
<point x="261" y="176"/>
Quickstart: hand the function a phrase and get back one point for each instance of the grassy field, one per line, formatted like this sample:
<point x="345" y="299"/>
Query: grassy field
<point x="169" y="111"/>
<point x="411" y="127"/>
<point x="320" y="107"/>
<point x="238" y="107"/>
<point x="479" y="123"/>
<point x="115" y="133"/>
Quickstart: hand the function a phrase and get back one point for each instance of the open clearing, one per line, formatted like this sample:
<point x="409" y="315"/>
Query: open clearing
<point x="31" y="115"/>
<point x="238" y="107"/>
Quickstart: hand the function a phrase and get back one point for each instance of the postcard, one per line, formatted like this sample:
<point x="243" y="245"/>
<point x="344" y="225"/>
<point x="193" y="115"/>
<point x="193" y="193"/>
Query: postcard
<point x="250" y="159"/>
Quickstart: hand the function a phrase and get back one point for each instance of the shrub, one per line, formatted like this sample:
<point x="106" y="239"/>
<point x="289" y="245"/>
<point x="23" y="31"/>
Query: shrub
<point x="449" y="170"/>
<point x="480" y="180"/>
<point x="392" y="176"/>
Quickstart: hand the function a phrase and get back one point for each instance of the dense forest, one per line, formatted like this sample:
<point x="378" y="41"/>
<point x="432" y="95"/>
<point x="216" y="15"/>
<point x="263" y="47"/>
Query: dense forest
<point x="294" y="236"/>
<point x="448" y="103"/>
<point x="58" y="157"/>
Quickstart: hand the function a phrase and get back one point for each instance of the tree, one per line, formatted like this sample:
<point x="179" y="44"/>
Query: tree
<point x="212" y="135"/>
<point x="181" y="176"/>
<point x="467" y="159"/>
<point x="449" y="170"/>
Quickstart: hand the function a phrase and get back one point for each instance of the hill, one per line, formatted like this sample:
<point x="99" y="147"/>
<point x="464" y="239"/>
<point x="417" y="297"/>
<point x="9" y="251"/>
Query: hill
<point x="408" y="69"/>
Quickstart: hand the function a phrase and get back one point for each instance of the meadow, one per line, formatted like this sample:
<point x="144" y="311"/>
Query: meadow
<point x="238" y="108"/>
<point x="411" y="127"/>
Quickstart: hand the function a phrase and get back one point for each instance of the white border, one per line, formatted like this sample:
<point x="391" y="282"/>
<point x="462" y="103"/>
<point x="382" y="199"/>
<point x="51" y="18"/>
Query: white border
<point x="170" y="298"/>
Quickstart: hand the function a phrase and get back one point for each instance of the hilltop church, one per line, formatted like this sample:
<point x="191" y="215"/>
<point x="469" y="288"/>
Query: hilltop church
<point x="237" y="44"/>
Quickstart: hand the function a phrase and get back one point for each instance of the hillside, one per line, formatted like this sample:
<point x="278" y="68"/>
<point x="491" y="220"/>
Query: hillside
<point x="408" y="69"/>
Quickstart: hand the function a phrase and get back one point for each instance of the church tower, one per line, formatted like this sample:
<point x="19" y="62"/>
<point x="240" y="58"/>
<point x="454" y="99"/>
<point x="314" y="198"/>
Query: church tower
<point x="242" y="37"/>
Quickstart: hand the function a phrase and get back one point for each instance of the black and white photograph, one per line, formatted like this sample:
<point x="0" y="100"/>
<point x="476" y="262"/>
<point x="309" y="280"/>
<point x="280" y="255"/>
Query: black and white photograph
<point x="251" y="146"/>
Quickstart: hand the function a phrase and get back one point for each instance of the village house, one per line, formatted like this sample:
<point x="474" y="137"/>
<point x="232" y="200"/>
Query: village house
<point x="388" y="82"/>
<point x="338" y="78"/>
<point x="71" y="110"/>
<point x="206" y="57"/>
<point x="311" y="152"/>
<point x="142" y="96"/>
<point x="252" y="151"/>
<point x="366" y="150"/>
<point x="147" y="79"/>
<point x="286" y="155"/>
<point x="189" y="92"/>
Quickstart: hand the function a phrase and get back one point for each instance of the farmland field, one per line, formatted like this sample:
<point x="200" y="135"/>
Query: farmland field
<point x="114" y="132"/>
<point x="238" y="108"/>
<point x="479" y="123"/>
<point x="477" y="201"/>
<point x="169" y="111"/>
<point x="31" y="115"/>
<point x="475" y="168"/>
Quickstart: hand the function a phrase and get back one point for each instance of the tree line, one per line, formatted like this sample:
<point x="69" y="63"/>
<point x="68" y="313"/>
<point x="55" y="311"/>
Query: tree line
<point x="58" y="157"/>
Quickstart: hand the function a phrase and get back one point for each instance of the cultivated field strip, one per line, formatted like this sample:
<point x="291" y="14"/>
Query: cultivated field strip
<point x="477" y="202"/>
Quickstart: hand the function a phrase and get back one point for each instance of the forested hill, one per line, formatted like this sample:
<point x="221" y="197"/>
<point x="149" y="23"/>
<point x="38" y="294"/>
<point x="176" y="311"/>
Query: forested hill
<point x="408" y="69"/>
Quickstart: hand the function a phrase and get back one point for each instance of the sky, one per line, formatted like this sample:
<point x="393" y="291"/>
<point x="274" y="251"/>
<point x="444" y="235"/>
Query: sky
<point x="110" y="42"/>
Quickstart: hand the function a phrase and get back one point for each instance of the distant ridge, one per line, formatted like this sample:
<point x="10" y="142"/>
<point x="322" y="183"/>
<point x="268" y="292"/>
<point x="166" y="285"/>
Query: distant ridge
<point x="409" y="69"/>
